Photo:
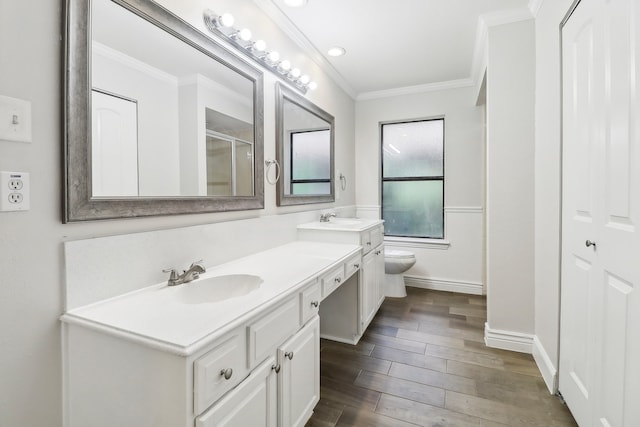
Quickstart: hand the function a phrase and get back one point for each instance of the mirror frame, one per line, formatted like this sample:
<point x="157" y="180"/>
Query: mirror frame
<point x="283" y="93"/>
<point x="79" y="205"/>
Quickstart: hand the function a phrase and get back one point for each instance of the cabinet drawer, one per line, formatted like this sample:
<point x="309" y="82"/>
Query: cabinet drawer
<point x="377" y="236"/>
<point x="309" y="302"/>
<point x="332" y="280"/>
<point x="352" y="265"/>
<point x="269" y="331"/>
<point x="219" y="370"/>
<point x="252" y="403"/>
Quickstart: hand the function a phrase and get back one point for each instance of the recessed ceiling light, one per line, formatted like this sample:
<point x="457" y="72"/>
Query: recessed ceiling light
<point x="295" y="3"/>
<point x="336" y="51"/>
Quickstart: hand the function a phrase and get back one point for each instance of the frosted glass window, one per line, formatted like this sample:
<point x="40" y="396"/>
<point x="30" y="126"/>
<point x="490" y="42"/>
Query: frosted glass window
<point x="413" y="178"/>
<point x="310" y="162"/>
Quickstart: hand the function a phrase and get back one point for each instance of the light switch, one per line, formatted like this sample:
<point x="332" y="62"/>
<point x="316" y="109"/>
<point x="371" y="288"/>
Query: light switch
<point x="15" y="119"/>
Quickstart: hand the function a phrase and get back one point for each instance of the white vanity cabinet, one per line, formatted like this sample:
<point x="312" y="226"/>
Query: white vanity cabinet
<point x="149" y="360"/>
<point x="369" y="234"/>
<point x="281" y="391"/>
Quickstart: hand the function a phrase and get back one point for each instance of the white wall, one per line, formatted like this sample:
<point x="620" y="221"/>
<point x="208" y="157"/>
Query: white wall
<point x="31" y="243"/>
<point x="510" y="182"/>
<point x="458" y="266"/>
<point x="547" y="186"/>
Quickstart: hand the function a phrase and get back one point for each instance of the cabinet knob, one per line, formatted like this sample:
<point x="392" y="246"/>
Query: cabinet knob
<point x="368" y="243"/>
<point x="338" y="279"/>
<point x="589" y="243"/>
<point x="276" y="368"/>
<point x="315" y="304"/>
<point x="289" y="355"/>
<point x="356" y="266"/>
<point x="226" y="373"/>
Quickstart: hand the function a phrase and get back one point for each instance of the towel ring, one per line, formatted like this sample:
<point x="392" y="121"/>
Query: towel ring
<point x="343" y="182"/>
<point x="270" y="163"/>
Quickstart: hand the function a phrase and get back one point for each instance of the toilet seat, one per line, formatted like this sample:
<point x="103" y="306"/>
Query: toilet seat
<point x="394" y="253"/>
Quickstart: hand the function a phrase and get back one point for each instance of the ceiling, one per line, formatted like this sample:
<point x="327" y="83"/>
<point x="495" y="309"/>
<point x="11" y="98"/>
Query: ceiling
<point x="393" y="45"/>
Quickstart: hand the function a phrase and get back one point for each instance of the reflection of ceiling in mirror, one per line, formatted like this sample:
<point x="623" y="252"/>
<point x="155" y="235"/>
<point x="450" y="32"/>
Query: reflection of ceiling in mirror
<point x="114" y="26"/>
<point x="296" y="117"/>
<point x="227" y="125"/>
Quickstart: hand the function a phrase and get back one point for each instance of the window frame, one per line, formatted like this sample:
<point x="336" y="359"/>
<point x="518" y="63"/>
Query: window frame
<point x="291" y="160"/>
<point x="441" y="178"/>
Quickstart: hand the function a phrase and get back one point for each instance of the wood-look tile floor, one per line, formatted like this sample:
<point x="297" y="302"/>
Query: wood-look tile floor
<point x="423" y="362"/>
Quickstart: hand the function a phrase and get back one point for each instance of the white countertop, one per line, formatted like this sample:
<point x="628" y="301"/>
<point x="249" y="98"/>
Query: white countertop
<point x="342" y="224"/>
<point x="155" y="317"/>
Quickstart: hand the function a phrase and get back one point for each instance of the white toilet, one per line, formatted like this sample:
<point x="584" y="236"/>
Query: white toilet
<point x="395" y="263"/>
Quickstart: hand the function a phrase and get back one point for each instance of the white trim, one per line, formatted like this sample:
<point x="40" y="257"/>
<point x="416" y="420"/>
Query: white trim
<point x="368" y="211"/>
<point x="416" y="243"/>
<point x="534" y="6"/>
<point x="508" y="340"/>
<point x="545" y="365"/>
<point x="448" y="285"/>
<point x="463" y="209"/>
<point x="411" y="90"/>
<point x="479" y="63"/>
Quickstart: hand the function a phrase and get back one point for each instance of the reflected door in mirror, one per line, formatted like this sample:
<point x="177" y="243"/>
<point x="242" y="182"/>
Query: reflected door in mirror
<point x="114" y="146"/>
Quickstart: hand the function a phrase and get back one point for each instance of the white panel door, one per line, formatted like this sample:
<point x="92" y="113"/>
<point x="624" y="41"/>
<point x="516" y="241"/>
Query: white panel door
<point x="599" y="339"/>
<point x="114" y="146"/>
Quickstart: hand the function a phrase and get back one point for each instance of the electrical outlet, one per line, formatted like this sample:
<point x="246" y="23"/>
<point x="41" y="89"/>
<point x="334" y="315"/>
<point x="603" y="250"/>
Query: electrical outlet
<point x="14" y="191"/>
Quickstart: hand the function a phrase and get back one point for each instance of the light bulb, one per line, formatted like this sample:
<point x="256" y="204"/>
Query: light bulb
<point x="295" y="73"/>
<point x="259" y="45"/>
<point x="304" y="79"/>
<point x="226" y="20"/>
<point x="244" y="34"/>
<point x="273" y="57"/>
<point x="312" y="85"/>
<point x="284" y="65"/>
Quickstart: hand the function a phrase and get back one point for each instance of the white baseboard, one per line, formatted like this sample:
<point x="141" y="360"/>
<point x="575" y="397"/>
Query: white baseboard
<point x="508" y="340"/>
<point x="443" y="285"/>
<point x="545" y="365"/>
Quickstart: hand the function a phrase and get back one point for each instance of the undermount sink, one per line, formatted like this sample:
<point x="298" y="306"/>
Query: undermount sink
<point x="218" y="288"/>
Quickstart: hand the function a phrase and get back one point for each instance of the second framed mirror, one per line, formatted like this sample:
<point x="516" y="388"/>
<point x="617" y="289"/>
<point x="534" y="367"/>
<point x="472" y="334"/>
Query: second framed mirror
<point x="305" y="150"/>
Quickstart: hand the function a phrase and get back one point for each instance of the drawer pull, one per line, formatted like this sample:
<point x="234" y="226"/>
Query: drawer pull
<point x="338" y="279"/>
<point x="356" y="266"/>
<point x="368" y="243"/>
<point x="226" y="373"/>
<point x="289" y="355"/>
<point x="276" y="368"/>
<point x="315" y="304"/>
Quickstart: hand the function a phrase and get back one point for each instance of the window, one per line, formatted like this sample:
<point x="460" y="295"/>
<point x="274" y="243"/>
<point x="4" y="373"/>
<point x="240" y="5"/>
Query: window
<point x="310" y="162"/>
<point x="413" y="178"/>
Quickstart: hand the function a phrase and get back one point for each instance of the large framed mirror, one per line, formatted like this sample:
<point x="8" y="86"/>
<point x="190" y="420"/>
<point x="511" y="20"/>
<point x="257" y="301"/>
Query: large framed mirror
<point x="159" y="118"/>
<point x="304" y="150"/>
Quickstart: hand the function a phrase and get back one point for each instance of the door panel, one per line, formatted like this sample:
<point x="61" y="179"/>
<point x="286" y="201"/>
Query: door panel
<point x="599" y="340"/>
<point x="581" y="130"/>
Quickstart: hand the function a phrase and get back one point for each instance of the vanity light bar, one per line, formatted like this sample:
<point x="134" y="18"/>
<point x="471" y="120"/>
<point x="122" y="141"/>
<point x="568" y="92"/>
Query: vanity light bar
<point x="222" y="25"/>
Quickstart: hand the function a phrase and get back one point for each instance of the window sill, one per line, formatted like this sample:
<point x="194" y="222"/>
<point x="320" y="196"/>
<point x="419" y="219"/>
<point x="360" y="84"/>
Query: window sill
<point x="416" y="243"/>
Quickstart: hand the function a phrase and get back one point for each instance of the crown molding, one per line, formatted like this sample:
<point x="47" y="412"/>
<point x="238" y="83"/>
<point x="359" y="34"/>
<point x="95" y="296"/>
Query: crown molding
<point x="410" y="90"/>
<point x="285" y="24"/>
<point x="488" y="20"/>
<point x="534" y="7"/>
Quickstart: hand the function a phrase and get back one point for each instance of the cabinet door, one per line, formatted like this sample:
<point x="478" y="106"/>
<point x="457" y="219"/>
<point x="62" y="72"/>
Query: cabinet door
<point x="379" y="276"/>
<point x="368" y="292"/>
<point x="252" y="403"/>
<point x="299" y="378"/>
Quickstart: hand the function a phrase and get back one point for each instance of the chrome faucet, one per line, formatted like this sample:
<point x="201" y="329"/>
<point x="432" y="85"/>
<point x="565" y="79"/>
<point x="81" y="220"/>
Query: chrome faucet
<point x="188" y="275"/>
<point x="325" y="217"/>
